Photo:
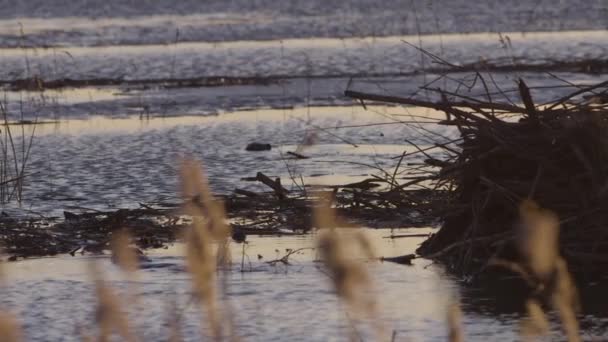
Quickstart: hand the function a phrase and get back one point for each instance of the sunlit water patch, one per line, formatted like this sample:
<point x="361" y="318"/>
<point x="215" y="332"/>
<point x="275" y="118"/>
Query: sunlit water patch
<point x="107" y="163"/>
<point x="62" y="23"/>
<point x="55" y="296"/>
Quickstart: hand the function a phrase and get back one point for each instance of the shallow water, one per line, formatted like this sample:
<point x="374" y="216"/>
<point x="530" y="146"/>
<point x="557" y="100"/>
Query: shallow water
<point x="268" y="303"/>
<point x="106" y="163"/>
<point x="303" y="71"/>
<point x="116" y="146"/>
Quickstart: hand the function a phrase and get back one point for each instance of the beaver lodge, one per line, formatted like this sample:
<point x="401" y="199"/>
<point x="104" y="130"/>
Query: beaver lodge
<point x="555" y="155"/>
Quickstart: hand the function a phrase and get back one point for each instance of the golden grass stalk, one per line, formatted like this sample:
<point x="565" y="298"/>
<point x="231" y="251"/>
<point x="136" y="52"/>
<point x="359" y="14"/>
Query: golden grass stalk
<point x="175" y="333"/>
<point x="125" y="256"/>
<point x="109" y="315"/>
<point x="338" y="251"/>
<point x="536" y="323"/>
<point x="350" y="277"/>
<point x="565" y="300"/>
<point x="2" y="274"/>
<point x="199" y="202"/>
<point x="208" y="226"/>
<point x="539" y="239"/>
<point x="539" y="246"/>
<point x="10" y="330"/>
<point x="201" y="265"/>
<point x="454" y="319"/>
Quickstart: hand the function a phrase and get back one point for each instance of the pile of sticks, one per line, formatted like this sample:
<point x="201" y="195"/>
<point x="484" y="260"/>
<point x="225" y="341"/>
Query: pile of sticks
<point x="373" y="202"/>
<point x="554" y="154"/>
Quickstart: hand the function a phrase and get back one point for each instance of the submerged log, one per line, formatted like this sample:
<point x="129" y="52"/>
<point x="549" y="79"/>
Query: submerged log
<point x="297" y="155"/>
<point x="279" y="190"/>
<point x="402" y="259"/>
<point x="245" y="193"/>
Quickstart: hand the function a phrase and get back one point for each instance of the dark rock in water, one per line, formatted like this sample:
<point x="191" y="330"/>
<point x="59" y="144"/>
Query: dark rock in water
<point x="258" y="147"/>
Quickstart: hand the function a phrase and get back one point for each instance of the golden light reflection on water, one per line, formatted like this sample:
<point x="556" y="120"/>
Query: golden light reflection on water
<point x="64" y="95"/>
<point x="349" y="115"/>
<point x="409" y="297"/>
<point x="269" y="247"/>
<point x="36" y="25"/>
<point x="297" y="43"/>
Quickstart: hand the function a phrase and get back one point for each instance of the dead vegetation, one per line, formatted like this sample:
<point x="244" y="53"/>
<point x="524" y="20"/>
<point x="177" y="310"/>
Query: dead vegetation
<point x="345" y="255"/>
<point x="555" y="154"/>
<point x="88" y="232"/>
<point x="279" y="212"/>
<point x="512" y="64"/>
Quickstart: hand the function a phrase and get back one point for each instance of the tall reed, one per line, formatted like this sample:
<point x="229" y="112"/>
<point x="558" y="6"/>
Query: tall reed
<point x="209" y="227"/>
<point x="13" y="158"/>
<point x="538" y="235"/>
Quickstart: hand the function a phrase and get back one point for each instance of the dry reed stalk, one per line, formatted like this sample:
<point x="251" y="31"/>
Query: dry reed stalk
<point x="539" y="246"/>
<point x="338" y="251"/>
<point x="200" y="202"/>
<point x="538" y="239"/>
<point x="201" y="265"/>
<point x="9" y="328"/>
<point x="175" y="333"/>
<point x="86" y="338"/>
<point x="208" y="226"/>
<point x="454" y="319"/>
<point x="565" y="301"/>
<point x="536" y="323"/>
<point x="350" y="277"/>
<point x="2" y="272"/>
<point x="11" y="182"/>
<point x="109" y="315"/>
<point x="126" y="257"/>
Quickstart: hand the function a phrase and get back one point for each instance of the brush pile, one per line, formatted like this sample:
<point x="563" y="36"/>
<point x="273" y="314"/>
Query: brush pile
<point x="87" y="232"/>
<point x="554" y="154"/>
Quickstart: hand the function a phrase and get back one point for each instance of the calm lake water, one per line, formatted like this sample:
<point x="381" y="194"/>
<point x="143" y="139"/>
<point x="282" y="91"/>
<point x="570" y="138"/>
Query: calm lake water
<point x="115" y="146"/>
